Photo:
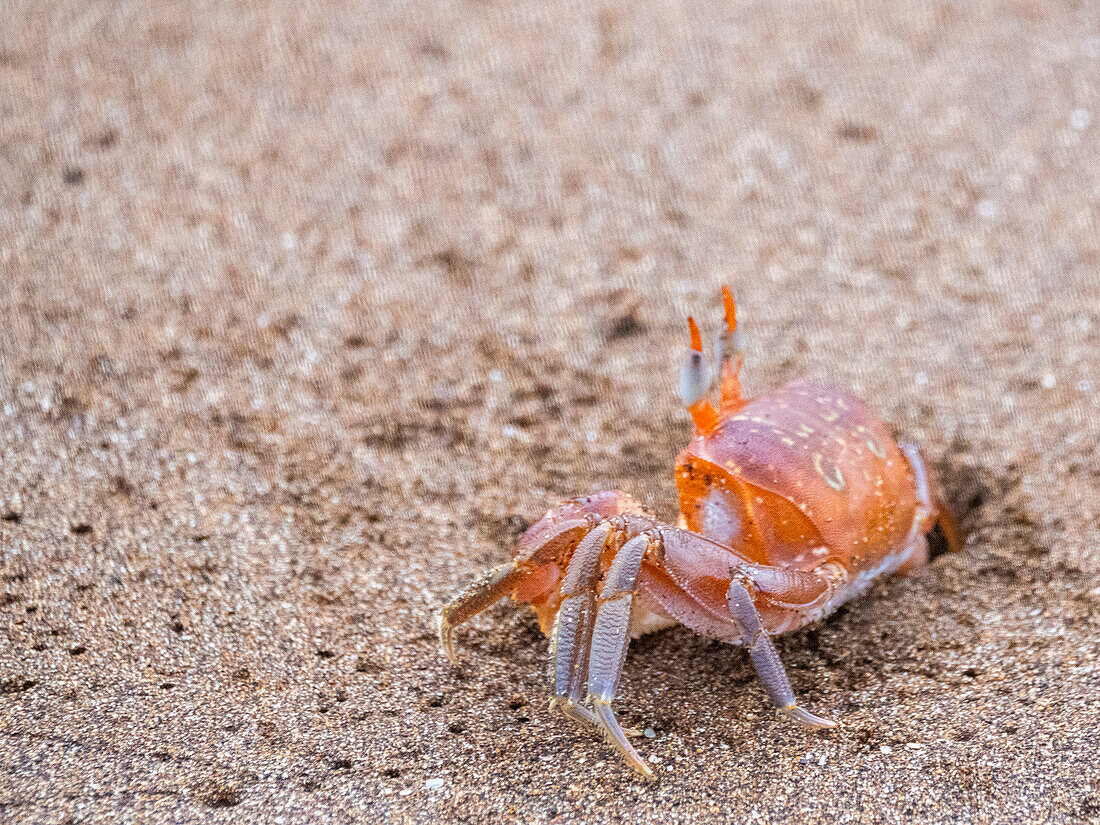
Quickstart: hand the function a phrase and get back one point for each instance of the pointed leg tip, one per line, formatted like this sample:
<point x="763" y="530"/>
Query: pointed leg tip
<point x="617" y="738"/>
<point x="571" y="710"/>
<point x="810" y="720"/>
<point x="446" y="643"/>
<point x="640" y="767"/>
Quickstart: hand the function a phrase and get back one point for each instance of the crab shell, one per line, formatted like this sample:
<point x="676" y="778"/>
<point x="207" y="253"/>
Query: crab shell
<point x="803" y="475"/>
<point x="805" y="478"/>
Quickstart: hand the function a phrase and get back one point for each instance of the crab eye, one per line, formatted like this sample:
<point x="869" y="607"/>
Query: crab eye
<point x="695" y="378"/>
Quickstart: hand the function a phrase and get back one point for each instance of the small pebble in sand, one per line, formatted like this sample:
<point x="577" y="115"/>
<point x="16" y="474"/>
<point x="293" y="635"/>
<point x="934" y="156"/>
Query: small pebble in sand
<point x="1049" y="381"/>
<point x="434" y="783"/>
<point x="650" y="733"/>
<point x="886" y="749"/>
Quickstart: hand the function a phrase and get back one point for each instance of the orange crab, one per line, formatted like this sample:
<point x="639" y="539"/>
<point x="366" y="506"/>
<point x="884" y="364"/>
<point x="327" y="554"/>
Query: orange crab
<point x="791" y="503"/>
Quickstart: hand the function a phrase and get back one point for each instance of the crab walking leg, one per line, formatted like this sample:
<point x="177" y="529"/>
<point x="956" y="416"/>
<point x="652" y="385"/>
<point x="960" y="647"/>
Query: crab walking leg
<point x="572" y="632"/>
<point x="929" y="500"/>
<point x="765" y="658"/>
<point x="610" y="638"/>
<point x="485" y="591"/>
<point x="924" y="494"/>
<point x="554" y="542"/>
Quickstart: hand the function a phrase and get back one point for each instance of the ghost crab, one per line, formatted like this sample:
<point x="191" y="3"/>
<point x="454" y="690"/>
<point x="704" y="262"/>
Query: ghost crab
<point x="791" y="503"/>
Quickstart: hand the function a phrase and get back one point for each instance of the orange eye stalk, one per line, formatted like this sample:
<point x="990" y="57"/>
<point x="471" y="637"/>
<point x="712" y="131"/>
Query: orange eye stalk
<point x="695" y="380"/>
<point x="730" y="357"/>
<point x="731" y="309"/>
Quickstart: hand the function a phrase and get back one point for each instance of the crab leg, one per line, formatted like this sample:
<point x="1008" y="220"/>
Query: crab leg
<point x="484" y="592"/>
<point x="610" y="638"/>
<point x="765" y="658"/>
<point x="930" y="500"/>
<point x="572" y="632"/>
<point x="494" y="585"/>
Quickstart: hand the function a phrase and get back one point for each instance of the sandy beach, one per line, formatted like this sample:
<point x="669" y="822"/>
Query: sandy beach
<point x="308" y="310"/>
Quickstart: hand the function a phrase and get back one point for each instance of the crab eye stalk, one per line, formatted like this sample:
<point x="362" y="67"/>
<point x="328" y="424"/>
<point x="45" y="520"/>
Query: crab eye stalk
<point x="695" y="381"/>
<point x="730" y="339"/>
<point x="694" y="378"/>
<point x="729" y="356"/>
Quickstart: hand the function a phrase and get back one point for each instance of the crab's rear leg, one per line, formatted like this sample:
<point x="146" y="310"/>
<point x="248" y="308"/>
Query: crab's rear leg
<point x="484" y="592"/>
<point x="499" y="582"/>
<point x="765" y="658"/>
<point x="610" y="639"/>
<point x="934" y="509"/>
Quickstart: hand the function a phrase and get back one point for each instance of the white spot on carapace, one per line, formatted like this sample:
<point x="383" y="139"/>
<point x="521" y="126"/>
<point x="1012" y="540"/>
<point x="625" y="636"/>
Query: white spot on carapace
<point x="834" y="479"/>
<point x="875" y="447"/>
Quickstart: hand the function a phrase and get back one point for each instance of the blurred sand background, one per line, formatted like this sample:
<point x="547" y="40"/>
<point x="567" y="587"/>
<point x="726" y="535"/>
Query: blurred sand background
<point x="307" y="309"/>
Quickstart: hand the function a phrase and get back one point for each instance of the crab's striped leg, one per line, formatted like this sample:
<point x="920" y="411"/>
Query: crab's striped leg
<point x="570" y="639"/>
<point x="610" y="638"/>
<point x="765" y="658"/>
